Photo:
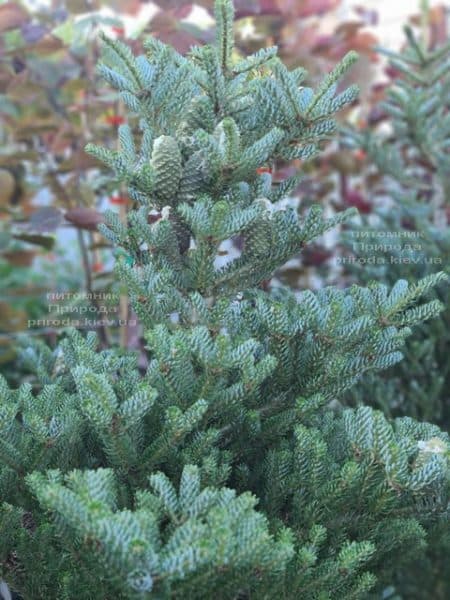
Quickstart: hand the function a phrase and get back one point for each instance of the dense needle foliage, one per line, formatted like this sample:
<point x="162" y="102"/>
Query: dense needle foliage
<point x="409" y="236"/>
<point x="229" y="468"/>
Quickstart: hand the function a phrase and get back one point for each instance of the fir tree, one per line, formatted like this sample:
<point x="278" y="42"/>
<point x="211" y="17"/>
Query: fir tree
<point x="409" y="237"/>
<point x="230" y="468"/>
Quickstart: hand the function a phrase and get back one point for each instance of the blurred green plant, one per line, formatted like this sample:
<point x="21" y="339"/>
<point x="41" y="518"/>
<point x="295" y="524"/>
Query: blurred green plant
<point x="407" y="235"/>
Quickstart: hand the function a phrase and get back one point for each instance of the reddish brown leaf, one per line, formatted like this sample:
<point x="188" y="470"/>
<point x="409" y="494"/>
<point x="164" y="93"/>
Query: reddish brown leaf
<point x="20" y="258"/>
<point x="248" y="8"/>
<point x="347" y="37"/>
<point x="163" y="21"/>
<point x="307" y="8"/>
<point x="84" y="218"/>
<point x="364" y="42"/>
<point x="356" y="199"/>
<point x="315" y="256"/>
<point x="153" y="218"/>
<point x="12" y="15"/>
<point x="48" y="44"/>
<point x="348" y="28"/>
<point x="392" y="72"/>
<point x="182" y="12"/>
<point x="438" y="25"/>
<point x="181" y="40"/>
